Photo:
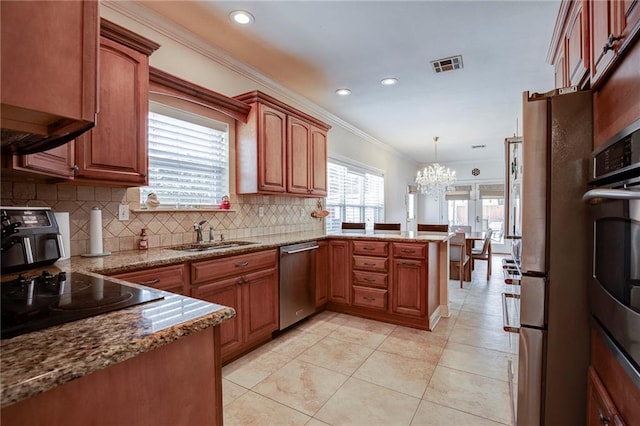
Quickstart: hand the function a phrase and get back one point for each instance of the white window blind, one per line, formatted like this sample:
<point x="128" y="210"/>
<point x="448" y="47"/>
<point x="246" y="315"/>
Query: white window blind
<point x="188" y="158"/>
<point x="354" y="195"/>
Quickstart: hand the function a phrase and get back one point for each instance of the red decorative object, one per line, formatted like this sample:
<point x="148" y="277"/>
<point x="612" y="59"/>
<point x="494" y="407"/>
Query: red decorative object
<point x="225" y="204"/>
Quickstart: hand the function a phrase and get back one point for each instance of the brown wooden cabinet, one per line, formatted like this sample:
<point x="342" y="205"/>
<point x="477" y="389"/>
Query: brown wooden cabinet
<point x="173" y="278"/>
<point x="322" y="273"/>
<point x="49" y="64"/>
<point x="115" y="151"/>
<point x="249" y="284"/>
<point x="280" y="149"/>
<point x="370" y="274"/>
<point x="569" y="46"/>
<point x="339" y="290"/>
<point x="600" y="408"/>
<point x="409" y="282"/>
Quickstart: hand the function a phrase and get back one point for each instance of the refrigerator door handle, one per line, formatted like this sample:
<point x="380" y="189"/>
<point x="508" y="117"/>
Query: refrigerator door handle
<point x="596" y="196"/>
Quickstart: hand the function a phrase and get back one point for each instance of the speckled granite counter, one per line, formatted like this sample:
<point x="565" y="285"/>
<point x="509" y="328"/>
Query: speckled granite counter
<point x="36" y="362"/>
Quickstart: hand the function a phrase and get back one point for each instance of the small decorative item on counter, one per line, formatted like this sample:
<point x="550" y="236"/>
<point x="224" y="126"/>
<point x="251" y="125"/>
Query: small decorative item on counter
<point x="320" y="213"/>
<point x="225" y="204"/>
<point x="143" y="244"/>
<point x="152" y="201"/>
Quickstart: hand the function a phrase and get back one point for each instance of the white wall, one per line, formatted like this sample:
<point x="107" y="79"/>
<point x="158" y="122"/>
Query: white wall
<point x="187" y="57"/>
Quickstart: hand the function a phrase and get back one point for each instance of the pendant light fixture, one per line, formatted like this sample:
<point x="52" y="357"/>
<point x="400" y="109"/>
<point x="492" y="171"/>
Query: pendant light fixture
<point x="434" y="179"/>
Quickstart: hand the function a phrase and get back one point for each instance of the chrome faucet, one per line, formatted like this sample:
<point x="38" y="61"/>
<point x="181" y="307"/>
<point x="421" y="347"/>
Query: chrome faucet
<point x="199" y="232"/>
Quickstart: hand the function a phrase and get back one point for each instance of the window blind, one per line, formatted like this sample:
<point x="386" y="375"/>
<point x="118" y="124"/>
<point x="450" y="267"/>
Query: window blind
<point x="353" y="195"/>
<point x="459" y="192"/>
<point x="188" y="158"/>
<point x="491" y="191"/>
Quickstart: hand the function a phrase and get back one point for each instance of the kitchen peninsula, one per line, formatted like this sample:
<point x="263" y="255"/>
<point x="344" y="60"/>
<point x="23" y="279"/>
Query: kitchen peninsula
<point x="124" y="354"/>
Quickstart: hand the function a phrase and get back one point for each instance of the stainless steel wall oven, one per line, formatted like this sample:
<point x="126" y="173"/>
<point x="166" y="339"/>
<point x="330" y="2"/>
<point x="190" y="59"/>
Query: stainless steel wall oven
<point x="614" y="290"/>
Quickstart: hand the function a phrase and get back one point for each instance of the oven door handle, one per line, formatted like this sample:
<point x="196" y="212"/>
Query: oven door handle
<point x="596" y="196"/>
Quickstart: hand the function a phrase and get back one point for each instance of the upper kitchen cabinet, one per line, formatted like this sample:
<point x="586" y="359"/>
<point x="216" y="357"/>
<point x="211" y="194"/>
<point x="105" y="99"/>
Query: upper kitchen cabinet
<point x="569" y="50"/>
<point x="48" y="71"/>
<point x="280" y="150"/>
<point x="115" y="151"/>
<point x="613" y="25"/>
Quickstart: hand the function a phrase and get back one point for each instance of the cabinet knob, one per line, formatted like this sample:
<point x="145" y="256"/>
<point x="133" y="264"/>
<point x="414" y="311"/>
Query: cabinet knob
<point x="610" y="43"/>
<point x="603" y="419"/>
<point x="144" y="175"/>
<point x="75" y="169"/>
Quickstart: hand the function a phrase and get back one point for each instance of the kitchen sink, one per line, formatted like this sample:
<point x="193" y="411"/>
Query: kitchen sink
<point x="220" y="245"/>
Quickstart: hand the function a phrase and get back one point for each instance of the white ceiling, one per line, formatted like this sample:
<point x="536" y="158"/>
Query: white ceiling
<point x="316" y="47"/>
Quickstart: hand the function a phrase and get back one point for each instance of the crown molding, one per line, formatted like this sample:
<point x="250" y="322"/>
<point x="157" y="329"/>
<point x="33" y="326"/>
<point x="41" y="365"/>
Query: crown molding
<point x="138" y="12"/>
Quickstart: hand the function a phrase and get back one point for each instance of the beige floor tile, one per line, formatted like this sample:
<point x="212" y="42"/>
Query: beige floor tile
<point x="485" y="362"/>
<point x="301" y="386"/>
<point x="253" y="409"/>
<point x="336" y="355"/>
<point x="430" y="414"/>
<point x="293" y="342"/>
<point x="360" y="403"/>
<point x="363" y="332"/>
<point x="445" y="326"/>
<point x="396" y="372"/>
<point x="231" y="392"/>
<point x="253" y="368"/>
<point x="315" y="422"/>
<point x="498" y="340"/>
<point x="414" y="343"/>
<point x="475" y="319"/>
<point x="487" y="306"/>
<point x="322" y="324"/>
<point x="478" y="395"/>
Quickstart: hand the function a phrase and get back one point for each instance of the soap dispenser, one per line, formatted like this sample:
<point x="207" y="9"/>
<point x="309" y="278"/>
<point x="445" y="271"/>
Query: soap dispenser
<point x="143" y="244"/>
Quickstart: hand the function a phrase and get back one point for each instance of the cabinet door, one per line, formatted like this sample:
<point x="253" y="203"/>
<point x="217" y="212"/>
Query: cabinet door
<point x="600" y="408"/>
<point x="116" y="149"/>
<point x="576" y="47"/>
<point x="260" y="304"/>
<point x="409" y="288"/>
<point x="58" y="162"/>
<point x="318" y="162"/>
<point x="559" y="67"/>
<point x="322" y="273"/>
<point x="225" y="292"/>
<point x="298" y="153"/>
<point x="48" y="62"/>
<point x="340" y="270"/>
<point x="602" y="24"/>
<point x="272" y="139"/>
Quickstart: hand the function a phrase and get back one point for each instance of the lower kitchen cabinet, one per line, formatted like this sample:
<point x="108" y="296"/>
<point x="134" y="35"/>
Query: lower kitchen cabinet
<point x="339" y="271"/>
<point x="409" y="289"/>
<point x="600" y="408"/>
<point x="174" y="278"/>
<point x="251" y="288"/>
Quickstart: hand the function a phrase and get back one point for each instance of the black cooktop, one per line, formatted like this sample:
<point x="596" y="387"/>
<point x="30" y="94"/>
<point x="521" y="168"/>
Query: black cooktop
<point x="33" y="303"/>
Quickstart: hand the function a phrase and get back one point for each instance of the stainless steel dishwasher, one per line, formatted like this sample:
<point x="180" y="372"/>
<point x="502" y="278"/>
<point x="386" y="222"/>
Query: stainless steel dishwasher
<point x="297" y="282"/>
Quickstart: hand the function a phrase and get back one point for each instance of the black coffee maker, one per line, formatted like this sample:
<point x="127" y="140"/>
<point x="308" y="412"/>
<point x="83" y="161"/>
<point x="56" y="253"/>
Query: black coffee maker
<point x="30" y="238"/>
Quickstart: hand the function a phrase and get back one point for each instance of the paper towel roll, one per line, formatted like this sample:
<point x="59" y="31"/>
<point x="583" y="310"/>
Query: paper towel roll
<point x="63" y="227"/>
<point x="95" y="231"/>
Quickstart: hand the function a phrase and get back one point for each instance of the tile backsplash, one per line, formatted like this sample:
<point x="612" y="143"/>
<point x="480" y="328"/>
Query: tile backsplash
<point x="282" y="214"/>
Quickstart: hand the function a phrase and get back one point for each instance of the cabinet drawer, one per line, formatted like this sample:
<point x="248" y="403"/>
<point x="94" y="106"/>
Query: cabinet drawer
<point x="410" y="251"/>
<point x="209" y="270"/>
<point x="370" y="297"/>
<point x="370" y="279"/>
<point x="170" y="278"/>
<point x="370" y="248"/>
<point x="366" y="263"/>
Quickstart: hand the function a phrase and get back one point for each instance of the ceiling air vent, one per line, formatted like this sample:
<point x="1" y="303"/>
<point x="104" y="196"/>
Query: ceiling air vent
<point x="447" y="64"/>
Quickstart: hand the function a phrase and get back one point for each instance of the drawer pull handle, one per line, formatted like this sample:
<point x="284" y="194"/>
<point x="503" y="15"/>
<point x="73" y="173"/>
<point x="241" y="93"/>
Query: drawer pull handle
<point x="603" y="419"/>
<point x="609" y="45"/>
<point x="370" y="279"/>
<point x="242" y="264"/>
<point x="407" y="251"/>
<point x="243" y="280"/>
<point x="150" y="282"/>
<point x="369" y="264"/>
<point x="369" y="298"/>
<point x="409" y="263"/>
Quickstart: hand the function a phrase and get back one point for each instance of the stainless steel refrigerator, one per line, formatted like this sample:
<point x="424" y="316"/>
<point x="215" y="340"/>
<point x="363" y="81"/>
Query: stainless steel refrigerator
<point x="554" y="327"/>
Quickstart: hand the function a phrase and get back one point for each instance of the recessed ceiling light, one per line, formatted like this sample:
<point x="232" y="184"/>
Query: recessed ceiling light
<point x="241" y="17"/>
<point x="343" y="92"/>
<point x="389" y="81"/>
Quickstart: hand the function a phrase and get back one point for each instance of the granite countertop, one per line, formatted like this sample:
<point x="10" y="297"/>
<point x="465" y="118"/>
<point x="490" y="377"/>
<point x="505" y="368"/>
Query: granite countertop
<point x="39" y="361"/>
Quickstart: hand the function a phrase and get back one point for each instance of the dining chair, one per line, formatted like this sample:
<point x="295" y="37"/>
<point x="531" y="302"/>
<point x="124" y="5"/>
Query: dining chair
<point x="386" y="228"/>
<point x="424" y="227"/>
<point x="484" y="253"/>
<point x="458" y="258"/>
<point x="354" y="227"/>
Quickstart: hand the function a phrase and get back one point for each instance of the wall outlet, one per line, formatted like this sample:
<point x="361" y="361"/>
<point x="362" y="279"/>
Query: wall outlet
<point x="123" y="212"/>
<point x="260" y="211"/>
<point x="301" y="211"/>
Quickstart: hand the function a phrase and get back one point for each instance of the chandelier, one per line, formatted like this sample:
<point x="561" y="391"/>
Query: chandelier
<point x="434" y="179"/>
